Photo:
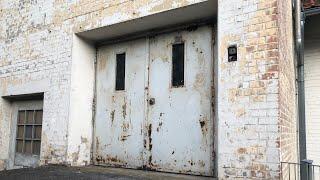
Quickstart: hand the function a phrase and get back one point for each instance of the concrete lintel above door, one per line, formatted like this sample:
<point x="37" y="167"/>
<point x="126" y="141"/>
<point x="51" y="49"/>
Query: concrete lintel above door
<point x="20" y="97"/>
<point x="196" y="13"/>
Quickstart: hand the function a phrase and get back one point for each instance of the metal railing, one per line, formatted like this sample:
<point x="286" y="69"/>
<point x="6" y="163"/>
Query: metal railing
<point x="300" y="171"/>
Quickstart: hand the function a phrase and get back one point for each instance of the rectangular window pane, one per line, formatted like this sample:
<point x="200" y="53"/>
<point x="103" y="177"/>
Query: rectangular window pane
<point x="37" y="132"/>
<point x="120" y="71"/>
<point x="27" y="147"/>
<point x="19" y="146"/>
<point x="178" y="65"/>
<point x="29" y="131"/>
<point x="20" y="132"/>
<point x="38" y="117"/>
<point x="28" y="134"/>
<point x="21" y="117"/>
<point x="36" y="147"/>
<point x="29" y="117"/>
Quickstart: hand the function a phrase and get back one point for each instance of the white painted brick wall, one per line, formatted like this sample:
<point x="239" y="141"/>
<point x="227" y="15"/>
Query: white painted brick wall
<point x="35" y="55"/>
<point x="36" y="39"/>
<point x="249" y="143"/>
<point x="312" y="94"/>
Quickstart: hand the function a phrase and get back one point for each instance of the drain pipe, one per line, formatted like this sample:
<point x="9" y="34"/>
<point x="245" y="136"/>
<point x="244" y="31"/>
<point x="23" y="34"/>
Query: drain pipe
<point x="299" y="33"/>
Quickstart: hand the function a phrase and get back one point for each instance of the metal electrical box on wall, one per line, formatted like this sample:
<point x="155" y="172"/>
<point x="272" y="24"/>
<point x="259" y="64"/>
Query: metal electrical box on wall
<point x="232" y="53"/>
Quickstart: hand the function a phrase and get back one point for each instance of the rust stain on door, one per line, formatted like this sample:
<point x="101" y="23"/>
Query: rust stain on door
<point x="173" y="133"/>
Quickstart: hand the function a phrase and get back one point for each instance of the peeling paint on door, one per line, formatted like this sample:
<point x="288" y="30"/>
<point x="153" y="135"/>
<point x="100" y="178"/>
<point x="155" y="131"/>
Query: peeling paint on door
<point x="120" y="113"/>
<point x="152" y="124"/>
<point x="185" y="142"/>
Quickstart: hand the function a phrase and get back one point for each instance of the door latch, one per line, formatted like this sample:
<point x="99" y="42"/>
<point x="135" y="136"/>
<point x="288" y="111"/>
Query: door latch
<point x="152" y="101"/>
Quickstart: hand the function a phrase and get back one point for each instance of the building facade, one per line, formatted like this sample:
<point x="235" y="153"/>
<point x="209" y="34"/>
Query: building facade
<point x="312" y="80"/>
<point x="204" y="87"/>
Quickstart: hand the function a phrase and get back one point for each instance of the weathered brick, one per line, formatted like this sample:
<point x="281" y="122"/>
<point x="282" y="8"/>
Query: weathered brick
<point x="256" y="119"/>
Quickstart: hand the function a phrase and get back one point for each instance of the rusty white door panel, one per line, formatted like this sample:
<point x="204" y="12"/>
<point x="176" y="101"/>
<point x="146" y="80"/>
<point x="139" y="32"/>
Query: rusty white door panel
<point x="175" y="134"/>
<point x="120" y="114"/>
<point x="181" y="120"/>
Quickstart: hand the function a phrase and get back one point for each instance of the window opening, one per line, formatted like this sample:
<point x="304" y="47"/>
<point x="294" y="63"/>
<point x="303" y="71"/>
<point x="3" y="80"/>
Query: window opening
<point x="120" y="71"/>
<point x="178" y="65"/>
<point x="29" y="130"/>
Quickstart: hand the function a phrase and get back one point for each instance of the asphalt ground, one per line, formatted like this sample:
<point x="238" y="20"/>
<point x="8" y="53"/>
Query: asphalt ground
<point x="88" y="173"/>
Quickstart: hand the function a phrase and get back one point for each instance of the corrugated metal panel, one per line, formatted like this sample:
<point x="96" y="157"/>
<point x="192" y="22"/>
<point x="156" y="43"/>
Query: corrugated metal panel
<point x="312" y="87"/>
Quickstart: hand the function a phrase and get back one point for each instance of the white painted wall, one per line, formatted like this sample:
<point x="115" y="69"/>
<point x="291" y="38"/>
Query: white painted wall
<point x="312" y="92"/>
<point x="81" y="100"/>
<point x="36" y="56"/>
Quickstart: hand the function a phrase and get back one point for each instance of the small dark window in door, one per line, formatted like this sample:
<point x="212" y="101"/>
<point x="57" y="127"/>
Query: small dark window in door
<point x="120" y="71"/>
<point x="177" y="65"/>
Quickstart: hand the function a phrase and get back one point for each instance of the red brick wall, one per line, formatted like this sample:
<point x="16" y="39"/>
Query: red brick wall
<point x="287" y="88"/>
